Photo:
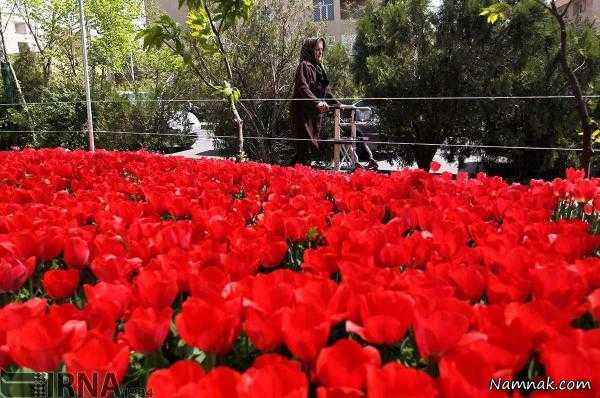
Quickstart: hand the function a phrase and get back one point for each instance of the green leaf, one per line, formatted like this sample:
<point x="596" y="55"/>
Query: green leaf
<point x="495" y="12"/>
<point x="155" y="360"/>
<point x="312" y="233"/>
<point x="198" y="23"/>
<point x="235" y="95"/>
<point x="229" y="92"/>
<point x="157" y="33"/>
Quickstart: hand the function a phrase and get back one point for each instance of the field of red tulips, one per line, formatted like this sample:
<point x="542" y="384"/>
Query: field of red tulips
<point x="206" y="278"/>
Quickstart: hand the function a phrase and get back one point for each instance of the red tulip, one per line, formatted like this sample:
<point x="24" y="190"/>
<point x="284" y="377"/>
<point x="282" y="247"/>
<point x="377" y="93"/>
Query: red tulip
<point x="439" y="331"/>
<point x="305" y="330"/>
<point x="155" y="288"/>
<point x="112" y="269"/>
<point x="40" y="342"/>
<point x="14" y="315"/>
<point x="147" y="328"/>
<point x="396" y="380"/>
<point x="345" y="363"/>
<point x="170" y="382"/>
<point x="77" y="253"/>
<point x="210" y="323"/>
<point x="264" y="310"/>
<point x="60" y="283"/>
<point x="113" y="299"/>
<point x="385" y="316"/>
<point x="338" y="392"/>
<point x="208" y="280"/>
<point x="14" y="273"/>
<point x="468" y="371"/>
<point x="273" y="376"/>
<point x="174" y="235"/>
<point x="274" y="252"/>
<point x="594" y="300"/>
<point x="221" y="382"/>
<point x="50" y="243"/>
<point x="97" y="358"/>
<point x="573" y="356"/>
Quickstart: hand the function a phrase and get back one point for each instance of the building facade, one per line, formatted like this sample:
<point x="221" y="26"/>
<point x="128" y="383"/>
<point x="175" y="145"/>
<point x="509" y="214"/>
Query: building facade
<point x="583" y="10"/>
<point x="17" y="36"/>
<point x="337" y="17"/>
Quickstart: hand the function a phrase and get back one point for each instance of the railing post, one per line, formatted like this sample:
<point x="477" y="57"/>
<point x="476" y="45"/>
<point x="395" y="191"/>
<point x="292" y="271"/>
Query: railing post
<point x="353" y="137"/>
<point x="336" y="136"/>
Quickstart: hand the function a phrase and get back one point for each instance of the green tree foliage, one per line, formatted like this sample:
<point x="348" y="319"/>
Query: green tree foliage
<point x="406" y="49"/>
<point x="256" y="56"/>
<point x="502" y="10"/>
<point x="54" y="24"/>
<point x="202" y="42"/>
<point x="52" y="81"/>
<point x="338" y="60"/>
<point x="264" y="51"/>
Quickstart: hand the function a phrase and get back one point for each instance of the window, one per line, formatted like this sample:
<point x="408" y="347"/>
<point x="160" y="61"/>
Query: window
<point x="578" y="7"/>
<point x="323" y="10"/>
<point x="23" y="46"/>
<point x="21" y="28"/>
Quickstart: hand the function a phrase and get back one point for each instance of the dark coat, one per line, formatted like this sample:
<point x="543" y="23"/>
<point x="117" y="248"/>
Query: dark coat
<point x="311" y="83"/>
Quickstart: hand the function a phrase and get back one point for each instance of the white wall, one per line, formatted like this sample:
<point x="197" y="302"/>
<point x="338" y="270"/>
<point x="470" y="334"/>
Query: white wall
<point x="591" y="9"/>
<point x="11" y="22"/>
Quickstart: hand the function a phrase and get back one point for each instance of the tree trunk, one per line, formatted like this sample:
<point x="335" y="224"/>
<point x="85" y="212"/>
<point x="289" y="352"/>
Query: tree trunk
<point x="582" y="110"/>
<point x="17" y="84"/>
<point x="12" y="71"/>
<point x="24" y="104"/>
<point x="48" y="69"/>
<point x="240" y="124"/>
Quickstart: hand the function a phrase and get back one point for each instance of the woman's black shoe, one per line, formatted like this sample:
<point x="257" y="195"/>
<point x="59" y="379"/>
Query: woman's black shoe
<point x="372" y="165"/>
<point x="356" y="166"/>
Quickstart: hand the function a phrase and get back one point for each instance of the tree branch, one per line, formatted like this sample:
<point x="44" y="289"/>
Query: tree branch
<point x="582" y="110"/>
<point x="562" y="14"/>
<point x="28" y="23"/>
<point x="219" y="41"/>
<point x="543" y="3"/>
<point x="203" y="65"/>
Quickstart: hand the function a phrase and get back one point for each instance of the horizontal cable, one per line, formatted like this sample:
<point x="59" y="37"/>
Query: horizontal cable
<point x="331" y="140"/>
<point x="192" y="135"/>
<point x="465" y="98"/>
<point x="457" y="98"/>
<point x="40" y="131"/>
<point x="349" y="141"/>
<point x="95" y="131"/>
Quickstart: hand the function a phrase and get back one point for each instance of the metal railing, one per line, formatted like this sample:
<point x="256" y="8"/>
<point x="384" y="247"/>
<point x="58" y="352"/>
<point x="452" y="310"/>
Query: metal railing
<point x="344" y="150"/>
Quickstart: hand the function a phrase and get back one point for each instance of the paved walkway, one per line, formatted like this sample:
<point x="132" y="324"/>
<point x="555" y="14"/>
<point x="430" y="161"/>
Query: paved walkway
<point x="203" y="147"/>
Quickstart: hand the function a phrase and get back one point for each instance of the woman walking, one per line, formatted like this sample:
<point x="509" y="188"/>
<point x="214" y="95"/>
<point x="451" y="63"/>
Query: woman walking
<point x="312" y="98"/>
